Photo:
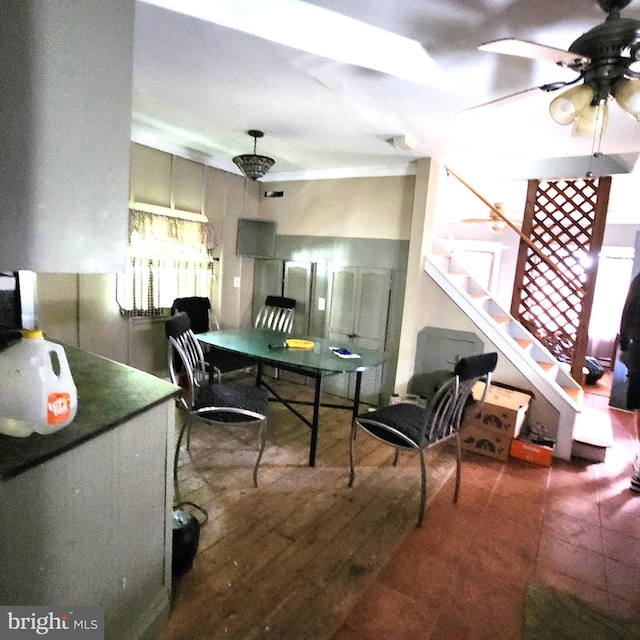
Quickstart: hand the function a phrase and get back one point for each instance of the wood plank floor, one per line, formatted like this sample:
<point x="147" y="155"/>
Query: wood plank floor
<point x="290" y="559"/>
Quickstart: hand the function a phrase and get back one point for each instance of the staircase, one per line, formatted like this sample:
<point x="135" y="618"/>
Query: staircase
<point x="550" y="380"/>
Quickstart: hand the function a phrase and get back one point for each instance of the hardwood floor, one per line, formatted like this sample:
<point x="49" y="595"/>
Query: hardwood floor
<point x="305" y="558"/>
<point x="289" y="559"/>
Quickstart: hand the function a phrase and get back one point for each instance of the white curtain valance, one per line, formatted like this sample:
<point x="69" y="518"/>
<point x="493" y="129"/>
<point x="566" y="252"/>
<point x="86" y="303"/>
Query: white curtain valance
<point x="169" y="257"/>
<point x="155" y="236"/>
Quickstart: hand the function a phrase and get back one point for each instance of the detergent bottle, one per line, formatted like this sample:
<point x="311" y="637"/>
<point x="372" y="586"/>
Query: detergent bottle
<point x="37" y="391"/>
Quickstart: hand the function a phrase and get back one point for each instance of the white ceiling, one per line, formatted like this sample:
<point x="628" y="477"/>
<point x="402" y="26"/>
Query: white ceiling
<point x="199" y="86"/>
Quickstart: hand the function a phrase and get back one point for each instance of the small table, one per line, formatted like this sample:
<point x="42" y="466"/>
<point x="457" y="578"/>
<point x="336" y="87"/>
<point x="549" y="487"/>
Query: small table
<point x="315" y="363"/>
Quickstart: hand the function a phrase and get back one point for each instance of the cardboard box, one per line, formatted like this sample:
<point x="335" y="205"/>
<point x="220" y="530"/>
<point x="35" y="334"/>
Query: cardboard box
<point x="504" y="410"/>
<point x="524" y="449"/>
<point x="485" y="441"/>
<point x="490" y="432"/>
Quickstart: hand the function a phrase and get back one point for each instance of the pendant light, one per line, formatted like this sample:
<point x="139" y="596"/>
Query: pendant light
<point x="254" y="166"/>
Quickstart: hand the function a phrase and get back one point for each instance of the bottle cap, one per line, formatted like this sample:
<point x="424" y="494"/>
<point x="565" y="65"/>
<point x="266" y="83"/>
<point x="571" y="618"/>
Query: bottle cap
<point x="32" y="334"/>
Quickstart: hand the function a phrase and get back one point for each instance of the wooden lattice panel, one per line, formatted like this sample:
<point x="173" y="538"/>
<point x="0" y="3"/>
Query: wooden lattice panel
<point x="564" y="221"/>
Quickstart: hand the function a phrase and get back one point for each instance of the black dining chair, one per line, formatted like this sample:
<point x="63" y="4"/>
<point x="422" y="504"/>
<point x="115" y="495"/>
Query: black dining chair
<point x="221" y="363"/>
<point x="212" y="403"/>
<point x="410" y="427"/>
<point x="277" y="313"/>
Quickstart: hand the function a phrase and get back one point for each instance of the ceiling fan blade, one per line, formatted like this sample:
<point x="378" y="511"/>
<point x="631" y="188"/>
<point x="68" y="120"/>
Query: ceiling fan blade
<point x="526" y="49"/>
<point x="505" y="99"/>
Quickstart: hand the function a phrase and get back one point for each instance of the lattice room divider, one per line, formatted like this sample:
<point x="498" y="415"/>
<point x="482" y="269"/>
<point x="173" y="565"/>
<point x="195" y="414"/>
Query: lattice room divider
<point x="556" y="271"/>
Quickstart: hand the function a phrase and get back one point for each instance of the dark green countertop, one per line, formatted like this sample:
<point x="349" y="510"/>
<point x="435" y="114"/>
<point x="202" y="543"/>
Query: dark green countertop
<point x="109" y="394"/>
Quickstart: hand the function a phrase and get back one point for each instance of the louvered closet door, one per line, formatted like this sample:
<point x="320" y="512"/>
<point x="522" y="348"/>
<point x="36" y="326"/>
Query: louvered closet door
<point x="358" y="314"/>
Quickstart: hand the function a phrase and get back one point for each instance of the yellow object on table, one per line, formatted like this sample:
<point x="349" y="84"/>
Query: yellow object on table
<point x="299" y="343"/>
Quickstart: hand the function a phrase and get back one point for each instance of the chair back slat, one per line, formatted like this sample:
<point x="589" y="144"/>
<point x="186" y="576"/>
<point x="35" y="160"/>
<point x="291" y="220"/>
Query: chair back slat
<point x="440" y="410"/>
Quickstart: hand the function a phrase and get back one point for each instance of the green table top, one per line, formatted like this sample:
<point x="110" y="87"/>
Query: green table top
<point x="255" y="343"/>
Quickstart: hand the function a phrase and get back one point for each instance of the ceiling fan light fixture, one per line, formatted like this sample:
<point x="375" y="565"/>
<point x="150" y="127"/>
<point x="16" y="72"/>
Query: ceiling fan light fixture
<point x="254" y="166"/>
<point x="627" y="95"/>
<point x="571" y="104"/>
<point x="592" y="122"/>
<point x="495" y="223"/>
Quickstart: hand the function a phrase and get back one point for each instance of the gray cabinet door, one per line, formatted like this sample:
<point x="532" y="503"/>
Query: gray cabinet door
<point x="267" y="281"/>
<point x="298" y="279"/>
<point x="285" y="278"/>
<point x="358" y="314"/>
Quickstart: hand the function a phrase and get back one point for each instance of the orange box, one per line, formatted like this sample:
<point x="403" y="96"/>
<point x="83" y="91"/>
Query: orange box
<point x="531" y="452"/>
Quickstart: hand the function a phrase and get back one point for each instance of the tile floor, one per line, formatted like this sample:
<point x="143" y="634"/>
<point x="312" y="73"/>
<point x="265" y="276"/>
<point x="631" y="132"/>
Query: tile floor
<point x="463" y="576"/>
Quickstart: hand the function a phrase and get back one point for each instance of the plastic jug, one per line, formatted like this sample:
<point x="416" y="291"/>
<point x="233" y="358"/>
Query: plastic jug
<point x="37" y="392"/>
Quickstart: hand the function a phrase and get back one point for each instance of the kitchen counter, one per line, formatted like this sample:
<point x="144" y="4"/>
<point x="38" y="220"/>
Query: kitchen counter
<point x="109" y="393"/>
<point x="87" y="511"/>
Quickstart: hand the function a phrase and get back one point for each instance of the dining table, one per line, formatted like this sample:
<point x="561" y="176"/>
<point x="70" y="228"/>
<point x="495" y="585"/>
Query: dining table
<point x="316" y="358"/>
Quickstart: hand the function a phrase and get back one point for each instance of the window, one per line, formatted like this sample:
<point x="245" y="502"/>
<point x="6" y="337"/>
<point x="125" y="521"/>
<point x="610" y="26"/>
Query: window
<point x="615" y="266"/>
<point x="169" y="257"/>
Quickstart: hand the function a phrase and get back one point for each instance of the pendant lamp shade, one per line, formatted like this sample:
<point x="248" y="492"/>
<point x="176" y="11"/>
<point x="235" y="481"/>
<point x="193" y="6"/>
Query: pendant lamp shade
<point x="252" y="165"/>
<point x="569" y="105"/>
<point x="627" y="95"/>
<point x="592" y="122"/>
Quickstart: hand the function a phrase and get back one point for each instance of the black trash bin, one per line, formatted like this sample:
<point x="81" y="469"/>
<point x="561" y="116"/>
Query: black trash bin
<point x="186" y="535"/>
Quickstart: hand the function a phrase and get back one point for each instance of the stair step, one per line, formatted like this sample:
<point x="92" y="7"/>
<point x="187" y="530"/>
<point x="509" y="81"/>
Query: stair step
<point x="479" y="298"/>
<point x="592" y="435"/>
<point x="501" y="320"/>
<point x="458" y="277"/>
<point x="524" y="343"/>
<point x="575" y="393"/>
<point x="442" y="260"/>
<point x="547" y="366"/>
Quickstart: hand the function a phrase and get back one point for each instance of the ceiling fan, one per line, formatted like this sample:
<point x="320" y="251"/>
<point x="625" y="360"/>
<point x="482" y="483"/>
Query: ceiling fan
<point x="602" y="57"/>
<point x="495" y="223"/>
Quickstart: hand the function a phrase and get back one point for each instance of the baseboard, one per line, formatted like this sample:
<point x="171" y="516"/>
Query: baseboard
<point x="148" y="623"/>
